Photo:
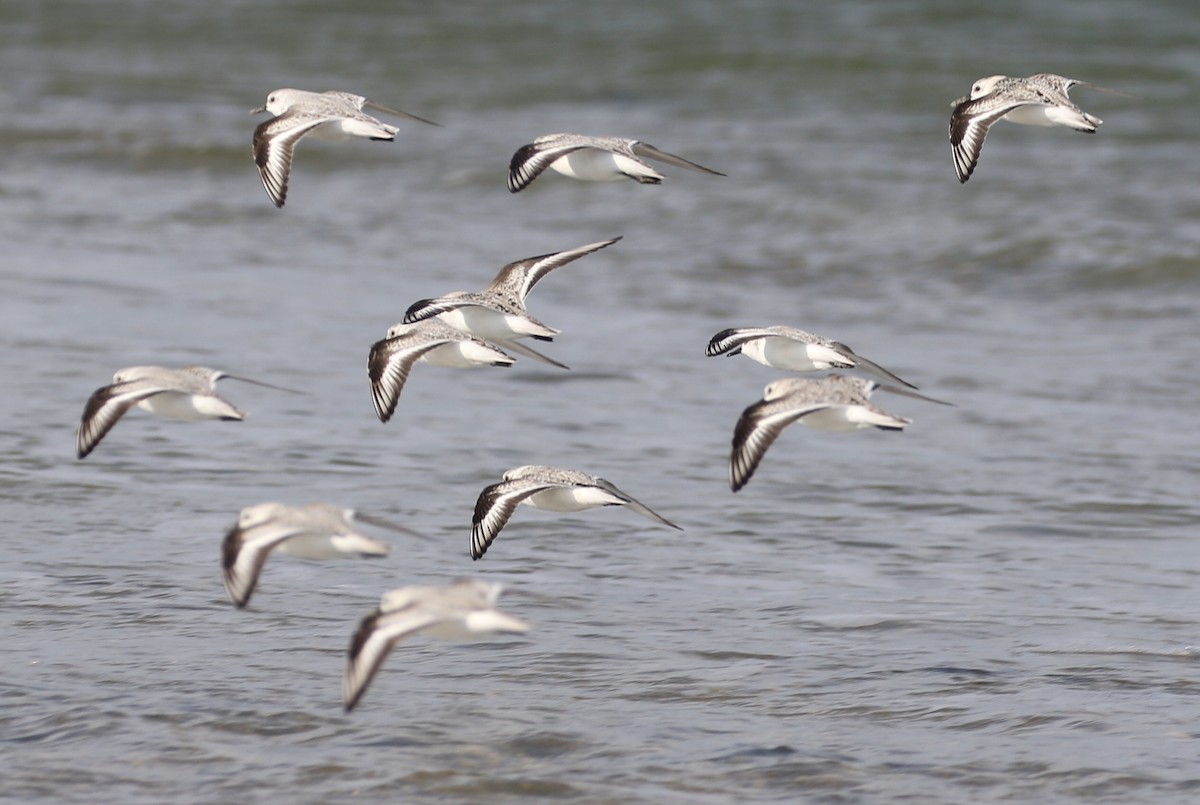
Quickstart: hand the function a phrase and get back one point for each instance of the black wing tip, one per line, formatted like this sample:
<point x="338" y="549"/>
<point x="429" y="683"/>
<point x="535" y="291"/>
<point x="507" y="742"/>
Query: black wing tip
<point x="518" y="177"/>
<point x="410" y="315"/>
<point x="521" y="156"/>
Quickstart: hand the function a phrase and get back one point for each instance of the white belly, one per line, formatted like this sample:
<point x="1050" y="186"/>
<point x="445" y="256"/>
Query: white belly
<point x="1033" y="115"/>
<point x="793" y="356"/>
<point x="492" y="325"/>
<point x="571" y="499"/>
<point x="189" y="407"/>
<point x="593" y="165"/>
<point x="852" y="417"/>
<point x="464" y="355"/>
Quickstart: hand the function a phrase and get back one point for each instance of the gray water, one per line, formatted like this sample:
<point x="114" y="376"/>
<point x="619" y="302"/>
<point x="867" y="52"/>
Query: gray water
<point x="998" y="604"/>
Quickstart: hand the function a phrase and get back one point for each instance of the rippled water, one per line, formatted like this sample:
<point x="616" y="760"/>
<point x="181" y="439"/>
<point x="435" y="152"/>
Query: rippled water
<point x="997" y="605"/>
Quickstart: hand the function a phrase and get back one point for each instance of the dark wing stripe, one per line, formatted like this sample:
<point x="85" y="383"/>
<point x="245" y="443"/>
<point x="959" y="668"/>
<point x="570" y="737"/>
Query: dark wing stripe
<point x="104" y="409"/>
<point x="726" y="341"/>
<point x="535" y="268"/>
<point x="429" y="308"/>
<point x="240" y="586"/>
<point x="373" y="641"/>
<point x="388" y="368"/>
<point x="493" y="508"/>
<point x="273" y="154"/>
<point x="529" y="161"/>
<point x="754" y="434"/>
<point x="967" y="134"/>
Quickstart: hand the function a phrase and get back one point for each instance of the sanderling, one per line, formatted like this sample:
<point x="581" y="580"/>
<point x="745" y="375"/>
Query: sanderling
<point x="497" y="313"/>
<point x="793" y="350"/>
<point x="312" y="531"/>
<point x="1039" y="100"/>
<point x="186" y="394"/>
<point x="429" y="341"/>
<point x="324" y="115"/>
<point x="463" y="610"/>
<point x="549" y="489"/>
<point x="591" y="159"/>
<point x="837" y="402"/>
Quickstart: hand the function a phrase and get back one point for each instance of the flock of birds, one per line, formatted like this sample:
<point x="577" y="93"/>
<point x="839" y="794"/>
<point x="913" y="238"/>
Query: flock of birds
<point x="471" y="329"/>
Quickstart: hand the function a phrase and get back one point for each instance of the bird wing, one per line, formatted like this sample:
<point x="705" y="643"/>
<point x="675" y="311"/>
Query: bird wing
<point x="730" y="341"/>
<point x="635" y="505"/>
<point x="376" y="636"/>
<point x="429" y="308"/>
<point x="244" y="553"/>
<point x="530" y="160"/>
<point x="756" y="430"/>
<point x="643" y="149"/>
<point x="495" y="506"/>
<point x="521" y="275"/>
<point x="869" y="366"/>
<point x="969" y="125"/>
<point x="106" y="406"/>
<point x="388" y="366"/>
<point x="274" y="142"/>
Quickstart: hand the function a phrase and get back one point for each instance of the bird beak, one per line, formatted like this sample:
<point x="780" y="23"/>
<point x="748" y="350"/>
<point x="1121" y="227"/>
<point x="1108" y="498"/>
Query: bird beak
<point x="258" y="111"/>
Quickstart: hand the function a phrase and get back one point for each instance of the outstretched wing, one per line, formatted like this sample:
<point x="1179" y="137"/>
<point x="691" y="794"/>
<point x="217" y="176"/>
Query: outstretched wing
<point x="376" y="636"/>
<point x="756" y="430"/>
<point x="424" y="309"/>
<point x="644" y="149"/>
<point x="105" y="408"/>
<point x="730" y="341"/>
<point x="520" y="276"/>
<point x="530" y="160"/>
<point x="388" y="366"/>
<point x="635" y="505"/>
<point x="274" y="142"/>
<point x="493" y="509"/>
<point x="969" y="124"/>
<point x="244" y="554"/>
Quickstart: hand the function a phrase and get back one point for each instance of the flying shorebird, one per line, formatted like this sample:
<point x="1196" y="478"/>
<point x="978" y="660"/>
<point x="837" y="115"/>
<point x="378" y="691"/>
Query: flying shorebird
<point x="325" y="116"/>
<point x="312" y="531"/>
<point x="549" y="489"/>
<point x="1039" y="100"/>
<point x="463" y="610"/>
<point x="591" y="159"/>
<point x="186" y="394"/>
<point x="497" y="313"/>
<point x="837" y="402"/>
<point x="429" y="341"/>
<point x="793" y="350"/>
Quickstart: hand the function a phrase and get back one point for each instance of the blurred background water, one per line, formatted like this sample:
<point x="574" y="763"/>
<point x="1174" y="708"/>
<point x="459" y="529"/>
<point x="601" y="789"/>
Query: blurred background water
<point x="997" y="605"/>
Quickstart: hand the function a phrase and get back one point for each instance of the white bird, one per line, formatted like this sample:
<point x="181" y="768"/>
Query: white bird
<point x="793" y="350"/>
<point x="591" y="159"/>
<point x="549" y="489"/>
<point x="429" y="341"/>
<point x="1039" y="100"/>
<point x="498" y="313"/>
<point x="312" y="531"/>
<point x="187" y="394"/>
<point x="324" y="115"/>
<point x="837" y="403"/>
<point x="463" y="610"/>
